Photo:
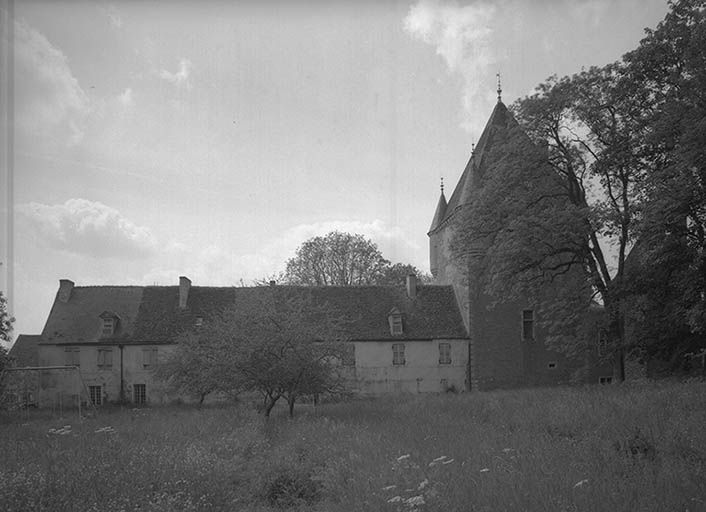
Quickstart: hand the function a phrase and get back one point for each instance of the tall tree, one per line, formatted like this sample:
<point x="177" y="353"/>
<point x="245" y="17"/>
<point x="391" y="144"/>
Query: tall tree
<point x="343" y="259"/>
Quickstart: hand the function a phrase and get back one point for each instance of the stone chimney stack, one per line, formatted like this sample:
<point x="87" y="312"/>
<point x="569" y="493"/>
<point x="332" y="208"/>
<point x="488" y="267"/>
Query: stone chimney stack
<point x="411" y="286"/>
<point x="65" y="287"/>
<point x="184" y="286"/>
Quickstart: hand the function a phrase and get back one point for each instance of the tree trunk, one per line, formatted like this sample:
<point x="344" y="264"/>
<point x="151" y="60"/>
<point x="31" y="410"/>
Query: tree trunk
<point x="270" y="402"/>
<point x="290" y="401"/>
<point x="203" y="396"/>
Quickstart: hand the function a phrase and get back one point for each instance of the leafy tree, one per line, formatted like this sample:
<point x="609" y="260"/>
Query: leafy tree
<point x="271" y="342"/>
<point x="5" y="330"/>
<point x="343" y="259"/>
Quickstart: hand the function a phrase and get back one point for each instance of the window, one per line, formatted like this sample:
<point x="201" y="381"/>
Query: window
<point x="444" y="353"/>
<point x="149" y="357"/>
<point x="348" y="358"/>
<point x="139" y="392"/>
<point x="552" y="365"/>
<point x="105" y="358"/>
<point x="605" y="380"/>
<point x="71" y="356"/>
<point x="108" y="326"/>
<point x="199" y="321"/>
<point x="96" y="394"/>
<point x="527" y="324"/>
<point x="602" y="343"/>
<point x="395" y="320"/>
<point x="444" y="385"/>
<point x="398" y="354"/>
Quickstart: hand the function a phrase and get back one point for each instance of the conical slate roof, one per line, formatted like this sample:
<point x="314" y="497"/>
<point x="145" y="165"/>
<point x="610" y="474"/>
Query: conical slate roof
<point x="495" y="132"/>
<point x="440" y="213"/>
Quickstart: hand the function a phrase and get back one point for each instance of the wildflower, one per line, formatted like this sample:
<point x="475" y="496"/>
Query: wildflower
<point x="395" y="499"/>
<point x="581" y="483"/>
<point x="389" y="487"/>
<point x="423" y="484"/>
<point x="402" y="457"/>
<point x="507" y="450"/>
<point x="485" y="470"/>
<point x="415" y="501"/>
<point x="439" y="459"/>
<point x="448" y="461"/>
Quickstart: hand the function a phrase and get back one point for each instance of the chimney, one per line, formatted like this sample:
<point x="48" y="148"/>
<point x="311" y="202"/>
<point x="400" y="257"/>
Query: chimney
<point x="65" y="287"/>
<point x="184" y="286"/>
<point x="411" y="286"/>
<point x="273" y="283"/>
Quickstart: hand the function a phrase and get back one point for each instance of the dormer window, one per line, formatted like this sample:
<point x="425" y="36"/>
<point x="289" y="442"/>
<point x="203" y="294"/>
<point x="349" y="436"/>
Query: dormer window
<point x="110" y="324"/>
<point x="394" y="318"/>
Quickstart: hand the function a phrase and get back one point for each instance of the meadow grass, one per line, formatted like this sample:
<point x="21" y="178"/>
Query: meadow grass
<point x="613" y="448"/>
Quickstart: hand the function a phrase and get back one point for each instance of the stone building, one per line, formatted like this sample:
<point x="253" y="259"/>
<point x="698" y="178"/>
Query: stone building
<point x="410" y="338"/>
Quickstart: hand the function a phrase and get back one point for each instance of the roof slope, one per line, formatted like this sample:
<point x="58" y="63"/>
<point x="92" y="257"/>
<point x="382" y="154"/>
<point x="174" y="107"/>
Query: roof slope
<point x="500" y="127"/>
<point x="25" y="350"/>
<point x="152" y="314"/>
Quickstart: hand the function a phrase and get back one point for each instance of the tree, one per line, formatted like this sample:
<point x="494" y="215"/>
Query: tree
<point x="5" y="330"/>
<point x="343" y="259"/>
<point x="269" y="340"/>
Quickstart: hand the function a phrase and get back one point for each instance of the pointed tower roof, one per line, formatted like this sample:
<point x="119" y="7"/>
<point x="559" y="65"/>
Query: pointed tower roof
<point x="440" y="213"/>
<point x="495" y="132"/>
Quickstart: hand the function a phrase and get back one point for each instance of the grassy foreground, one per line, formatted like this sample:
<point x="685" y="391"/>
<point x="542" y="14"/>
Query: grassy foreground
<point x="613" y="448"/>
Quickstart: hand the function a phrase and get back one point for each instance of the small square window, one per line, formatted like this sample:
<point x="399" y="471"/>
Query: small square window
<point x="95" y="394"/>
<point x="72" y="356"/>
<point x="139" y="392"/>
<point x="398" y="354"/>
<point x="444" y="353"/>
<point x="605" y="380"/>
<point x="149" y="357"/>
<point x="552" y="365"/>
<point x="105" y="358"/>
<point x="108" y="326"/>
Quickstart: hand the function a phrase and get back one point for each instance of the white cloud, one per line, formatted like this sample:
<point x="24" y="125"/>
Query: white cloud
<point x="125" y="98"/>
<point x="462" y="37"/>
<point x="217" y="265"/>
<point x="114" y="16"/>
<point x="87" y="227"/>
<point x="49" y="102"/>
<point x="181" y="76"/>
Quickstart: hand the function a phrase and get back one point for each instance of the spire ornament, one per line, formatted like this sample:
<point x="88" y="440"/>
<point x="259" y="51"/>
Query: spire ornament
<point x="500" y="90"/>
<point x="442" y="185"/>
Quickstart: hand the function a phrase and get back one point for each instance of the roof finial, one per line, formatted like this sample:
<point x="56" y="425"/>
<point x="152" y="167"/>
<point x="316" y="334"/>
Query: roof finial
<point x="473" y="147"/>
<point x="500" y="90"/>
<point x="442" y="185"/>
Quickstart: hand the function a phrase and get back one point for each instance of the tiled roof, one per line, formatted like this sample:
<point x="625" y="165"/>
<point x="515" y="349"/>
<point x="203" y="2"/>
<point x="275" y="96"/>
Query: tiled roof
<point x="152" y="314"/>
<point x="25" y="351"/>
<point x="496" y="131"/>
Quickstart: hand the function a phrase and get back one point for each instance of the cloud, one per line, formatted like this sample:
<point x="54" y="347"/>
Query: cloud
<point x="89" y="228"/>
<point x="49" y="101"/>
<point x="125" y="98"/>
<point x="114" y="16"/>
<point x="181" y="77"/>
<point x="462" y="36"/>
<point x="218" y="265"/>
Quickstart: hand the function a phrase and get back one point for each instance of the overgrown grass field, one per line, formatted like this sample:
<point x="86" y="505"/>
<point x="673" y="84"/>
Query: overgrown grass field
<point x="613" y="448"/>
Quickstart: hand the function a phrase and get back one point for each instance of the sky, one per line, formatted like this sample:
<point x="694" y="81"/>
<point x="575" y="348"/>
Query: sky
<point x="210" y="139"/>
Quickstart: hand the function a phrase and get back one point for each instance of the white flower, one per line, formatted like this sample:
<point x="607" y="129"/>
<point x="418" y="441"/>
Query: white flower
<point x="507" y="450"/>
<point x="448" y="461"/>
<point x="423" y="484"/>
<point x="389" y="487"/>
<point x="485" y="470"/>
<point x="581" y="483"/>
<point x="395" y="499"/>
<point x="402" y="457"/>
<point x="439" y="459"/>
